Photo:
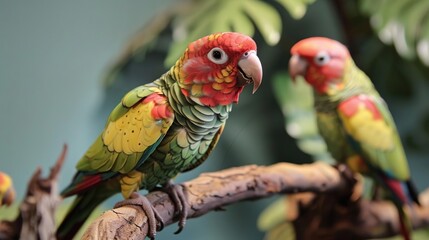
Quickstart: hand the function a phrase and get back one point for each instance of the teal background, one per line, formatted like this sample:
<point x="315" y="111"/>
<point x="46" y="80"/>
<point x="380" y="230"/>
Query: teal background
<point x="53" y="57"/>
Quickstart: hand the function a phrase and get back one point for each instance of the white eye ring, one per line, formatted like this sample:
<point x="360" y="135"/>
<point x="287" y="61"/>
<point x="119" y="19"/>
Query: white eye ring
<point x="322" y="58"/>
<point x="217" y="56"/>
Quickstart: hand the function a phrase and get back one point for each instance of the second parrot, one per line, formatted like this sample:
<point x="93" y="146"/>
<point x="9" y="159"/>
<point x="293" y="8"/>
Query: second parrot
<point x="353" y="119"/>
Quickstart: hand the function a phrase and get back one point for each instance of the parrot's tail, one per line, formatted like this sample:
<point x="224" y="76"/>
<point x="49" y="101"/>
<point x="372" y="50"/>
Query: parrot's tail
<point x="403" y="193"/>
<point x="82" y="207"/>
<point x="404" y="223"/>
<point x="412" y="190"/>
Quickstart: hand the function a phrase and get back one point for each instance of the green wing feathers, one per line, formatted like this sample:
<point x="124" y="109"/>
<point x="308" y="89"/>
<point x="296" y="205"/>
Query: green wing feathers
<point x="129" y="132"/>
<point x="134" y="129"/>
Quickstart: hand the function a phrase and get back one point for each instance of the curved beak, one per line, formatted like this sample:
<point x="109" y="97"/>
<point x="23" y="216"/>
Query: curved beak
<point x="297" y="66"/>
<point x="250" y="69"/>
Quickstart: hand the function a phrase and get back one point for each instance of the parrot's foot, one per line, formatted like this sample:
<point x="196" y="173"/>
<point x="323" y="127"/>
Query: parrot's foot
<point x="353" y="191"/>
<point x="178" y="197"/>
<point x="151" y="213"/>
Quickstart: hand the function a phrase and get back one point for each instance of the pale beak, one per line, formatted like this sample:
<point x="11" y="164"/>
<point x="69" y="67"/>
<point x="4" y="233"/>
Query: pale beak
<point x="297" y="66"/>
<point x="250" y="69"/>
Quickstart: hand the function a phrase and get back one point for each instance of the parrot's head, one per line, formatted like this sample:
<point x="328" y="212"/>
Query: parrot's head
<point x="321" y="61"/>
<point x="7" y="192"/>
<point x="214" y="69"/>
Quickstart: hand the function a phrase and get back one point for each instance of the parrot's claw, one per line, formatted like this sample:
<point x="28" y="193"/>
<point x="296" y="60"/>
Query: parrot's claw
<point x="150" y="211"/>
<point x="350" y="178"/>
<point x="177" y="195"/>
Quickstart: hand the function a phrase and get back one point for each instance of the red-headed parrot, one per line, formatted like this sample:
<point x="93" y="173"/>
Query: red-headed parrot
<point x="164" y="128"/>
<point x="7" y="192"/>
<point x="353" y="119"/>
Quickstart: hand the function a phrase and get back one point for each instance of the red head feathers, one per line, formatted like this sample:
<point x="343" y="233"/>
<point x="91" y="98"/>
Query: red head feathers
<point x="214" y="69"/>
<point x="321" y="61"/>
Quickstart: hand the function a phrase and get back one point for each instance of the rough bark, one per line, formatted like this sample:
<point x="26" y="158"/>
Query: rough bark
<point x="328" y="217"/>
<point x="211" y="191"/>
<point x="36" y="219"/>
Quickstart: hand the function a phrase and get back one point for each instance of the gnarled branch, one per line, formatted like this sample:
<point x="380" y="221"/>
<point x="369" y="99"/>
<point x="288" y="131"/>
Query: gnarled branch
<point x="36" y="219"/>
<point x="211" y="191"/>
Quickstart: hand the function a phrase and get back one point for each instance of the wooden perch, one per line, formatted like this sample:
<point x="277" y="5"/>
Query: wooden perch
<point x="36" y="219"/>
<point x="329" y="217"/>
<point x="211" y="191"/>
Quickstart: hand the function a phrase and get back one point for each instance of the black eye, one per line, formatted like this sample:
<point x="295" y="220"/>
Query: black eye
<point x="322" y="58"/>
<point x="217" y="55"/>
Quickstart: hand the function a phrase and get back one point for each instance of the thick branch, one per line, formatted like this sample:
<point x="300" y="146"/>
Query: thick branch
<point x="211" y="191"/>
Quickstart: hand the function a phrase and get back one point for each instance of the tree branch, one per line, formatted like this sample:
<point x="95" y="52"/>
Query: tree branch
<point x="212" y="191"/>
<point x="36" y="219"/>
<point x="328" y="217"/>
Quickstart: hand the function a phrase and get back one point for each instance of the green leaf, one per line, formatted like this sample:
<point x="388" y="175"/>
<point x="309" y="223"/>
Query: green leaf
<point x="223" y="16"/>
<point x="370" y="6"/>
<point x="296" y="101"/>
<point x="241" y="23"/>
<point x="283" y="231"/>
<point x="403" y="23"/>
<point x="292" y="94"/>
<point x="301" y="123"/>
<point x="266" y="18"/>
<point x="296" y="8"/>
<point x="274" y="214"/>
<point x="389" y="11"/>
<point x="423" y="50"/>
<point x="192" y="17"/>
<point x="178" y="47"/>
<point x="422" y="44"/>
<point x="412" y="19"/>
<point x="9" y="213"/>
<point x="316" y="147"/>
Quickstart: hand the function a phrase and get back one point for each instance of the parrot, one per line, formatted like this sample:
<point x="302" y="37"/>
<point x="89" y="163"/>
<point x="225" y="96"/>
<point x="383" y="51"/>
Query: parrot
<point x="164" y="128"/>
<point x="354" y="120"/>
<point x="7" y="192"/>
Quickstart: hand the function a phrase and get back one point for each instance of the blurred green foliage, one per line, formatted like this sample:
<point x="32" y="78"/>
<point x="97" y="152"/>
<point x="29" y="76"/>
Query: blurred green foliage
<point x="389" y="39"/>
<point x="296" y="102"/>
<point x="9" y="213"/>
<point x="205" y="17"/>
<point x="403" y="23"/>
<point x="192" y="19"/>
